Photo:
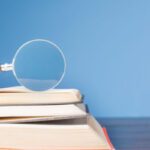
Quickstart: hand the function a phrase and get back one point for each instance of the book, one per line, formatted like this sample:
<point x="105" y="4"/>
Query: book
<point x="21" y="96"/>
<point x="31" y="113"/>
<point x="52" y="120"/>
<point x="82" y="134"/>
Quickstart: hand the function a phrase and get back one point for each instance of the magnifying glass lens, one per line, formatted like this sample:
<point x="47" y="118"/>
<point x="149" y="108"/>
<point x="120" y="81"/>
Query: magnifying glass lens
<point x="39" y="65"/>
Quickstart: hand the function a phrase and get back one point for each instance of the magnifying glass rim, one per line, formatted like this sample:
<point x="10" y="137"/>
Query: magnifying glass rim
<point x="36" y="40"/>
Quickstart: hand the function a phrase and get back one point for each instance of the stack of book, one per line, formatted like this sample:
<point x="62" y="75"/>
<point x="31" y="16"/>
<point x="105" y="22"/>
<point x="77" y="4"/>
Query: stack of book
<point x="53" y="120"/>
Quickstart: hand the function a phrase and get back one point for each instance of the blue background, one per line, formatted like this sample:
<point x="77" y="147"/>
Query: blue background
<point x="106" y="44"/>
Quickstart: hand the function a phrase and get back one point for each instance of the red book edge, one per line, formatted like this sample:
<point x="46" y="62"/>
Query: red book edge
<point x="107" y="138"/>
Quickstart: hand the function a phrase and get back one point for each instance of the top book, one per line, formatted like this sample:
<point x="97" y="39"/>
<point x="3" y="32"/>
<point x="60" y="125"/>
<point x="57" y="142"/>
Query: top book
<point x="20" y="96"/>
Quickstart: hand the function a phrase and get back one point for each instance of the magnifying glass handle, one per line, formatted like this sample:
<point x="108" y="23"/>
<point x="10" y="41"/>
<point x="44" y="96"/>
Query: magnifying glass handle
<point x="6" y="67"/>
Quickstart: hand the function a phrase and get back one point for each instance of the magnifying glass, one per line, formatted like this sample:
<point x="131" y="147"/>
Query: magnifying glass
<point x="38" y="65"/>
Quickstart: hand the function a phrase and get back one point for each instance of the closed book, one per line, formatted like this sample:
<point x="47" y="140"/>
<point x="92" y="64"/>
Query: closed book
<point x="22" y="96"/>
<point x="39" y="113"/>
<point x="82" y="134"/>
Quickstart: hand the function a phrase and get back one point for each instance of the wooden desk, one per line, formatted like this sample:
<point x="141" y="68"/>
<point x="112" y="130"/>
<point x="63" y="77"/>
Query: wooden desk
<point x="128" y="134"/>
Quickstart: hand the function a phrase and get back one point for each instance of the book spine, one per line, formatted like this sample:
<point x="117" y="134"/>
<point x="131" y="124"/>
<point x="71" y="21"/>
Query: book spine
<point x="108" y="139"/>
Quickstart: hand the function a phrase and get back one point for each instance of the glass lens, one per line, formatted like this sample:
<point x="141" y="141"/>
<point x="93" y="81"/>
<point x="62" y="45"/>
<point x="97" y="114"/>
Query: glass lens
<point x="39" y="65"/>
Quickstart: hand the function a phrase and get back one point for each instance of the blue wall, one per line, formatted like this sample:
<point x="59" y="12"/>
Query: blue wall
<point x="106" y="43"/>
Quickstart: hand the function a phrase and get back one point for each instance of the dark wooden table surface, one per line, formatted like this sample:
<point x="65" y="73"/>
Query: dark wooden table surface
<point x="128" y="133"/>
